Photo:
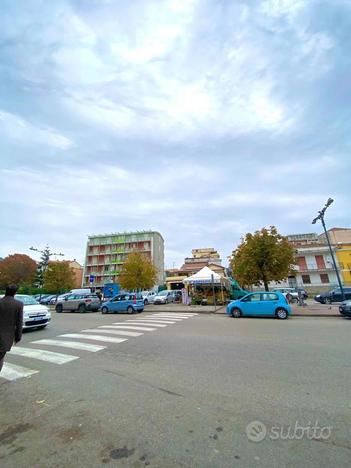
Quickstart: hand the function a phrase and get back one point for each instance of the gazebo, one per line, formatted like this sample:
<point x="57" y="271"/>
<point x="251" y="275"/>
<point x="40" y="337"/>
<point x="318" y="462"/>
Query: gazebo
<point x="207" y="286"/>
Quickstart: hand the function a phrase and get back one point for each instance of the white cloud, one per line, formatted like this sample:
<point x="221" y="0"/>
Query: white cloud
<point x="25" y="132"/>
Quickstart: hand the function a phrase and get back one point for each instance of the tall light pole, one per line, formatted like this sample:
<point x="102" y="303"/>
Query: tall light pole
<point x="321" y="218"/>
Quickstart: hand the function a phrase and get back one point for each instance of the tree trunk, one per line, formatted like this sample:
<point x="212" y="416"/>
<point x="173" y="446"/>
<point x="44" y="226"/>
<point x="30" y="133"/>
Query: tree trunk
<point x="265" y="282"/>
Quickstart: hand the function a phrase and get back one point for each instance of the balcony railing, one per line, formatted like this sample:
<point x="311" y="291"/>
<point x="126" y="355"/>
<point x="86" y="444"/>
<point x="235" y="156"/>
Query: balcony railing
<point x="314" y="268"/>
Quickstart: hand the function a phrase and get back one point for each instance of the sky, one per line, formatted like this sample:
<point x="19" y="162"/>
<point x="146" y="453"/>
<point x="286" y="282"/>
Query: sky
<point x="201" y="119"/>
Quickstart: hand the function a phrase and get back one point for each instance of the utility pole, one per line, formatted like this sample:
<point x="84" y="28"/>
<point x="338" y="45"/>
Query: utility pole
<point x="321" y="218"/>
<point x="213" y="293"/>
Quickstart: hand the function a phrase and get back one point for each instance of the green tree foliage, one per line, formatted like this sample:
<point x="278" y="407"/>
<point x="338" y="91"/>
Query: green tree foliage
<point x="262" y="257"/>
<point x="42" y="266"/>
<point x="138" y="273"/>
<point x="58" y="277"/>
<point x="18" y="269"/>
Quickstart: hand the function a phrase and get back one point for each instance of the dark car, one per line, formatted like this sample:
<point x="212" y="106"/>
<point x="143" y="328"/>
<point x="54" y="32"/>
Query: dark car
<point x="345" y="308"/>
<point x="46" y="300"/>
<point x="177" y="295"/>
<point x="334" y="295"/>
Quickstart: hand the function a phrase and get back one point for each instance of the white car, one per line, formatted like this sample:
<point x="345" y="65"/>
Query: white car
<point x="148" y="296"/>
<point x="164" y="297"/>
<point x="35" y="315"/>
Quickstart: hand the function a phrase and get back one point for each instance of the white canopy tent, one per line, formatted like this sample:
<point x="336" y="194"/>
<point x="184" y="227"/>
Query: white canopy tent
<point x="206" y="276"/>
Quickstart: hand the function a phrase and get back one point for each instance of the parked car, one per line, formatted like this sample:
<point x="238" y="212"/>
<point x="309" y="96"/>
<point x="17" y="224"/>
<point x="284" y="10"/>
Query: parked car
<point x="164" y="297"/>
<point x="294" y="292"/>
<point x="148" y="296"/>
<point x="46" y="300"/>
<point x="35" y="315"/>
<point x="345" y="308"/>
<point x="265" y="304"/>
<point x="177" y="295"/>
<point x="127" y="302"/>
<point x="78" y="303"/>
<point x="334" y="295"/>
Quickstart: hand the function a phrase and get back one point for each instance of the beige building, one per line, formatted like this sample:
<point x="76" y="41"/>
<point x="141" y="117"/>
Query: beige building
<point x="337" y="236"/>
<point x="199" y="259"/>
<point x="106" y="254"/>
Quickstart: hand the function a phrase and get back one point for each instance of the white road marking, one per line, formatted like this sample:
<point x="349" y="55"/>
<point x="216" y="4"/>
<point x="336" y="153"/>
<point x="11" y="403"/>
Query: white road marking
<point x="132" y="327"/>
<point x="120" y="332"/>
<point x="13" y="372"/>
<point x="176" y="317"/>
<point x="167" y="322"/>
<point x="42" y="355"/>
<point x="108" y="339"/>
<point x="173" y="315"/>
<point x="151" y="323"/>
<point x="180" y="314"/>
<point x="111" y="332"/>
<point x="163" y="319"/>
<point x="71" y="344"/>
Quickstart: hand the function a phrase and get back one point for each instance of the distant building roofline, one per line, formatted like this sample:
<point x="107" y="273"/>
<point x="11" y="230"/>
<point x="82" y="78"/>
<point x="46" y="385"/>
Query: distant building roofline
<point x="124" y="233"/>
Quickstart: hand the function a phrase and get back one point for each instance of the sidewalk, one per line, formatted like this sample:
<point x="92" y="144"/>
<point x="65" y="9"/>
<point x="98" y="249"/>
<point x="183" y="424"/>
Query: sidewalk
<point x="310" y="310"/>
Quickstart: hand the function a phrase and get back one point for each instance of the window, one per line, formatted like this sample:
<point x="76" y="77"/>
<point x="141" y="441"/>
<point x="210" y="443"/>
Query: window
<point x="252" y="298"/>
<point x="269" y="297"/>
<point x="324" y="278"/>
<point x="306" y="279"/>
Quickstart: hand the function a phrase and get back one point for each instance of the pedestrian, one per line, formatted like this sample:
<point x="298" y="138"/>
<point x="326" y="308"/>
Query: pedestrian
<point x="11" y="320"/>
<point x="99" y="295"/>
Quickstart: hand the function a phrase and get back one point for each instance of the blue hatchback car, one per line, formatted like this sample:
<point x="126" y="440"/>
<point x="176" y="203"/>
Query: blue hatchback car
<point x="260" y="304"/>
<point x="128" y="302"/>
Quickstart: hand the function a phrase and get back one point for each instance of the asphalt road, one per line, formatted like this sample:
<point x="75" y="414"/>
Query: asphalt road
<point x="181" y="395"/>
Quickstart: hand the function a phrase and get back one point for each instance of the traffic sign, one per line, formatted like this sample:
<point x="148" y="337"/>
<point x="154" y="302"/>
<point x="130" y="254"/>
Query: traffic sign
<point x="91" y="278"/>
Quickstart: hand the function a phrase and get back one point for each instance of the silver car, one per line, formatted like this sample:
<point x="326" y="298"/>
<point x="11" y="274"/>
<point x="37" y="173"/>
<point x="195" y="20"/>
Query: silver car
<point x="148" y="296"/>
<point x="78" y="303"/>
<point x="164" y="297"/>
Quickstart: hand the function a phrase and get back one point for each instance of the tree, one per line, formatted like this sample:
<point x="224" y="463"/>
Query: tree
<point x="262" y="257"/>
<point x="43" y="264"/>
<point x="138" y="273"/>
<point x="17" y="269"/>
<point x="58" y="277"/>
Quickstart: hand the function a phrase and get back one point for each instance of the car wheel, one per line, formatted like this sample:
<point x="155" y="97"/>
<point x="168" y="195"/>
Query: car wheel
<point x="59" y="308"/>
<point x="329" y="301"/>
<point x="82" y="308"/>
<point x="323" y="301"/>
<point x="281" y="314"/>
<point x="104" y="310"/>
<point x="236" y="313"/>
<point x="146" y="302"/>
<point x="130" y="310"/>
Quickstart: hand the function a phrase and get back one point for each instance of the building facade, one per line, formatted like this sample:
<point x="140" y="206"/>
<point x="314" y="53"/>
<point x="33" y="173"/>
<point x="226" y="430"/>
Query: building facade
<point x="106" y="254"/>
<point x="199" y="259"/>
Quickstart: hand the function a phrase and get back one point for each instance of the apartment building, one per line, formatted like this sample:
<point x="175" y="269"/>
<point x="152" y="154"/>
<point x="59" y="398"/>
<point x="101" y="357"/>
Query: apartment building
<point x="106" y="254"/>
<point x="201" y="257"/>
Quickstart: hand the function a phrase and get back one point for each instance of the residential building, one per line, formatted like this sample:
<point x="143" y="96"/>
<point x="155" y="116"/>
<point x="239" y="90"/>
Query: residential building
<point x="78" y="272"/>
<point x="106" y="254"/>
<point x="343" y="254"/>
<point x="200" y="258"/>
<point x="337" y="236"/>
<point x="314" y="263"/>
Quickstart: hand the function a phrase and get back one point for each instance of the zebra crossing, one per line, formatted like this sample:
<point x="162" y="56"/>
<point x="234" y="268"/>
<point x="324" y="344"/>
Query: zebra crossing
<point x="102" y="336"/>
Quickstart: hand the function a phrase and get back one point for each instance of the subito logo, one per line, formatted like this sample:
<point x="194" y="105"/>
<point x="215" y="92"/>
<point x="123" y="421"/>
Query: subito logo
<point x="256" y="431"/>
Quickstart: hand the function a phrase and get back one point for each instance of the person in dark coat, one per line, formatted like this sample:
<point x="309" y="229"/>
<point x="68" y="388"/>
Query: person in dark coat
<point x="11" y="320"/>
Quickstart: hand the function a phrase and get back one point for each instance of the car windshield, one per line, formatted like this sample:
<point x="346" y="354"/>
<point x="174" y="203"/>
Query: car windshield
<point x="163" y="293"/>
<point x="27" y="300"/>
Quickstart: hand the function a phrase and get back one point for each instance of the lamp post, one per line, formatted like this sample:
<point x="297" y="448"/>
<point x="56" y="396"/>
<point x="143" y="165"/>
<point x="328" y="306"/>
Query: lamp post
<point x="321" y="218"/>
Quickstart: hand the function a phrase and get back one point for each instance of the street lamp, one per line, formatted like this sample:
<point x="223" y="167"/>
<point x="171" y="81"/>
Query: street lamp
<point x="321" y="218"/>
